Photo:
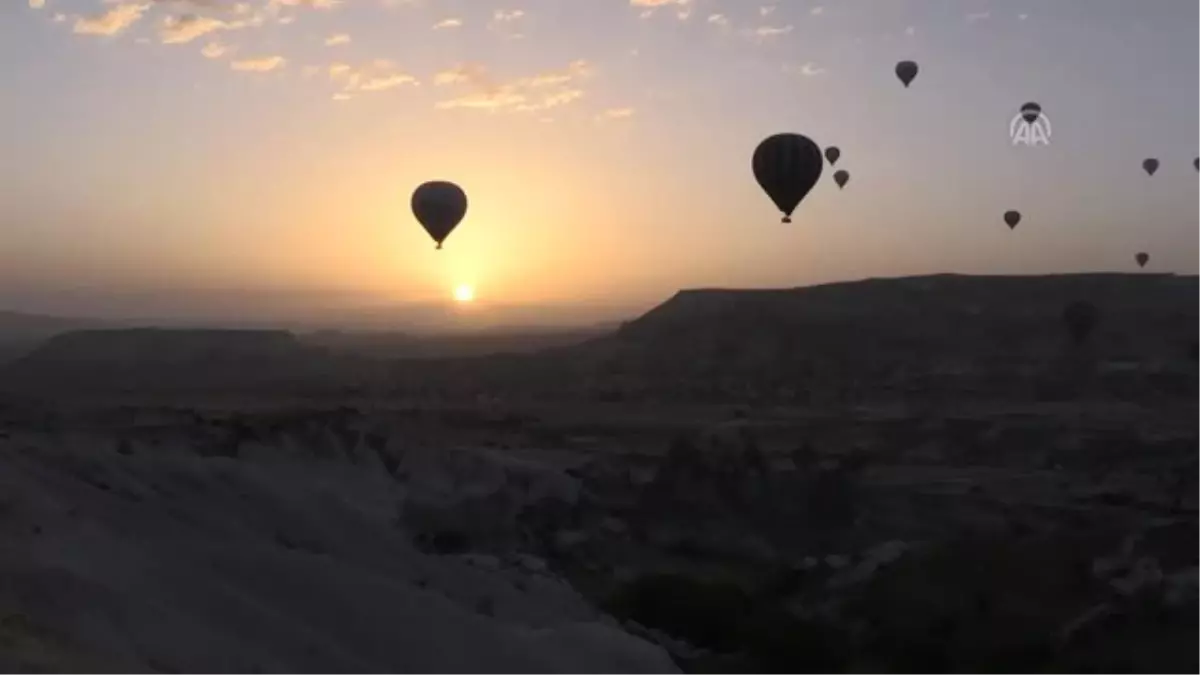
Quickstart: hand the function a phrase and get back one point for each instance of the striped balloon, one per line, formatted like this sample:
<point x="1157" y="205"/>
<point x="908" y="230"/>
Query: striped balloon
<point x="787" y="166"/>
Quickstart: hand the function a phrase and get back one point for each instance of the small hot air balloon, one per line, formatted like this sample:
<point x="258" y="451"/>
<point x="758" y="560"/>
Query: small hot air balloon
<point x="832" y="153"/>
<point x="1142" y="259"/>
<point x="907" y="72"/>
<point x="787" y="166"/>
<point x="439" y="206"/>
<point x="1012" y="218"/>
<point x="1150" y="165"/>
<point x="1081" y="317"/>
<point x="1030" y="112"/>
<point x="841" y="177"/>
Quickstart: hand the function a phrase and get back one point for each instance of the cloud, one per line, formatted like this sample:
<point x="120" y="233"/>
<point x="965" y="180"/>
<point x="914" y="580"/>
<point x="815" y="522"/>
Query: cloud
<point x="1022" y="17"/>
<point x="766" y="10"/>
<point x="505" y="22"/>
<point x="502" y="15"/>
<point x="910" y="31"/>
<point x="808" y="69"/>
<point x="683" y="11"/>
<point x="215" y="50"/>
<point x="375" y="76"/>
<point x="308" y="4"/>
<point x="112" y="22"/>
<point x="978" y="16"/>
<point x="37" y="4"/>
<point x="338" y="39"/>
<point x="615" y="114"/>
<point x="187" y="27"/>
<point x="262" y="64"/>
<point x="448" y="23"/>
<point x="765" y="32"/>
<point x="538" y="92"/>
<point x="817" y="11"/>
<point x="718" y="19"/>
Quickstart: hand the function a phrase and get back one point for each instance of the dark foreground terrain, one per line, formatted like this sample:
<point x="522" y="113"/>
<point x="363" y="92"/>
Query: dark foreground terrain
<point x="897" y="475"/>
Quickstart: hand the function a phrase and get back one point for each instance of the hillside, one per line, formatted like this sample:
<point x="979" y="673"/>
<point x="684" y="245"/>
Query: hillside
<point x="882" y="333"/>
<point x="880" y="339"/>
<point x="168" y="359"/>
<point x="21" y="332"/>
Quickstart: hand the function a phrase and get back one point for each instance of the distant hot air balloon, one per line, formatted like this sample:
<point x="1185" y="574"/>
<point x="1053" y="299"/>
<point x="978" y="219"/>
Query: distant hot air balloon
<point x="439" y="206"/>
<point x="787" y="166"/>
<point x="832" y="153"/>
<point x="1150" y="165"/>
<point x="1012" y="218"/>
<point x="1030" y="112"/>
<point x="907" y="71"/>
<point x="1081" y="317"/>
<point x="1142" y="259"/>
<point x="841" y="177"/>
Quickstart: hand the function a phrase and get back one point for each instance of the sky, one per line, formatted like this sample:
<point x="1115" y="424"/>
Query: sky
<point x="254" y="159"/>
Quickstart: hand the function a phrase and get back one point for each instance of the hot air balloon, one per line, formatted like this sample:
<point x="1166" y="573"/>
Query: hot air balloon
<point x="1012" y="218"/>
<point x="787" y="166"/>
<point x="439" y="206"/>
<point x="1196" y="163"/>
<point x="1142" y="259"/>
<point x="1030" y="112"/>
<point x="832" y="153"/>
<point x="1150" y="165"/>
<point x="907" y="71"/>
<point x="1081" y="317"/>
<point x="841" y="177"/>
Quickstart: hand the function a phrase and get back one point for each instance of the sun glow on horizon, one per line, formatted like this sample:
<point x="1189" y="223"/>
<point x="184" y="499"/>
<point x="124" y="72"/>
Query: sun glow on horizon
<point x="464" y="293"/>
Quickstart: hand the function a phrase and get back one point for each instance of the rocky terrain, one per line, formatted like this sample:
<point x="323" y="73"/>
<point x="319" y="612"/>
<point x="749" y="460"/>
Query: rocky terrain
<point x="934" y="480"/>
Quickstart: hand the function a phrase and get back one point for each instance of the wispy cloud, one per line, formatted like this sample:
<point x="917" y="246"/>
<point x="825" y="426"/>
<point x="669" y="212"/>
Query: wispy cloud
<point x="37" y="4"/>
<point x="817" y="11"/>
<point x="978" y="16"/>
<point x="683" y="8"/>
<point x="374" y="76"/>
<point x="448" y="23"/>
<point x="338" y="39"/>
<point x="116" y="20"/>
<point x="615" y="114"/>
<point x="718" y="19"/>
<point x="215" y="50"/>
<point x="262" y="64"/>
<point x="538" y="92"/>
<point x="808" y="69"/>
<point x="187" y="27"/>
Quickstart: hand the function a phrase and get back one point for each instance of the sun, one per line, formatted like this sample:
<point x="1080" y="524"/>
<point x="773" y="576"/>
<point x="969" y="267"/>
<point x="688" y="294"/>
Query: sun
<point x="464" y="293"/>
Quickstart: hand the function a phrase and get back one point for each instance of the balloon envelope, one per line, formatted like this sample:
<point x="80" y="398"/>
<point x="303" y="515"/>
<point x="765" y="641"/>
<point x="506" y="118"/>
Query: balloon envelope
<point x="1012" y="218"/>
<point x="832" y="153"/>
<point x="841" y="177"/>
<point x="1142" y="259"/>
<point x="439" y="206"/>
<point x="787" y="166"/>
<point x="1150" y="165"/>
<point x="907" y="71"/>
<point x="1030" y="112"/>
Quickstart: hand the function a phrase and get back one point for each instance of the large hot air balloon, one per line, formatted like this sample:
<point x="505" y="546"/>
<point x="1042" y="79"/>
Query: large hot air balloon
<point x="1142" y="259"/>
<point x="1030" y="112"/>
<point x="1150" y="165"/>
<point x="1012" y="218"/>
<point x="907" y="71"/>
<point x="1081" y="317"/>
<point x="439" y="206"/>
<point x="841" y="177"/>
<point x="832" y="153"/>
<point x="787" y="166"/>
